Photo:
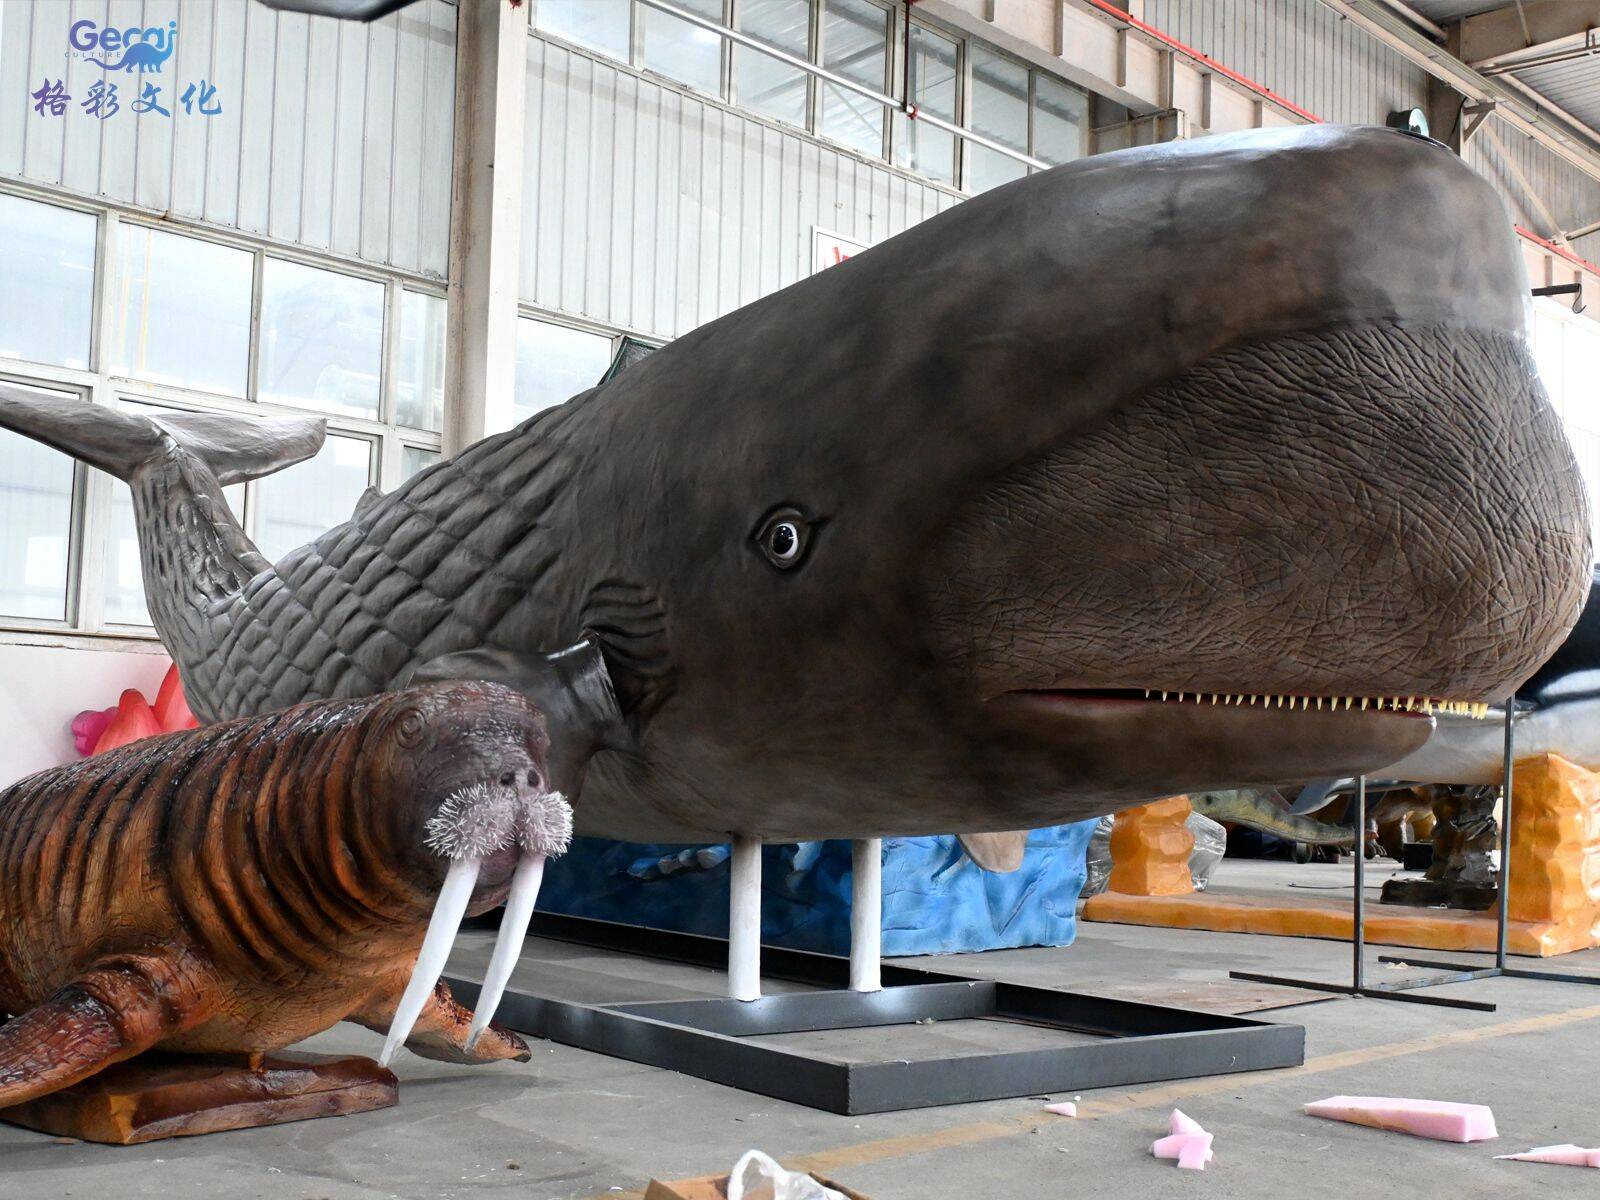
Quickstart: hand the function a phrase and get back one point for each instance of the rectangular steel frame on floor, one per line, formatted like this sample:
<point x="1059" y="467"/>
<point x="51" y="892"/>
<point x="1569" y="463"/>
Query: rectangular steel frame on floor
<point x="1137" y="1043"/>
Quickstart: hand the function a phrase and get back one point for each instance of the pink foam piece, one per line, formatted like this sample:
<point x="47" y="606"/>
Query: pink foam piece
<point x="1562" y="1156"/>
<point x="1183" y="1123"/>
<point x="1442" y="1120"/>
<point x="1065" y="1109"/>
<point x="1195" y="1154"/>
<point x="1176" y="1145"/>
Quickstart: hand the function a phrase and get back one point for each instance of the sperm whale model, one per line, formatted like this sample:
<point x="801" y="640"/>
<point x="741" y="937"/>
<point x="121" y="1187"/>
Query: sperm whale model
<point x="1184" y="468"/>
<point x="245" y="885"/>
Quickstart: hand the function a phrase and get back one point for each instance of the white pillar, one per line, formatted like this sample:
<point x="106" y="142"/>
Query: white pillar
<point x="744" y="920"/>
<point x="866" y="915"/>
<point x="485" y="219"/>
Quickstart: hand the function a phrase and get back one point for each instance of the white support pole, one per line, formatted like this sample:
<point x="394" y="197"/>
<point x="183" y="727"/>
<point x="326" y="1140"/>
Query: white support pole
<point x="485" y="219"/>
<point x="866" y="915"/>
<point x="744" y="920"/>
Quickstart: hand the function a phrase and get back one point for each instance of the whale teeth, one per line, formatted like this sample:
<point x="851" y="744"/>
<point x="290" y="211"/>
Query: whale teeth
<point x="1427" y="705"/>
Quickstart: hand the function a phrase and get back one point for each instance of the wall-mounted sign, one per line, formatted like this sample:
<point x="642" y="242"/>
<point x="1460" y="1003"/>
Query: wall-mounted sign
<point x="131" y="51"/>
<point x="830" y="249"/>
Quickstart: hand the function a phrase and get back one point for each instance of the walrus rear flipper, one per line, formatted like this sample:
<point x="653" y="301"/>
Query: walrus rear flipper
<point x="120" y="1007"/>
<point x="119" y="443"/>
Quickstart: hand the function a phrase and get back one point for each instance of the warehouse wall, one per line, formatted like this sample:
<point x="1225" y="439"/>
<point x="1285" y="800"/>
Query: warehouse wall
<point x="1307" y="53"/>
<point x="333" y="135"/>
<point x="1302" y="50"/>
<point x="652" y="209"/>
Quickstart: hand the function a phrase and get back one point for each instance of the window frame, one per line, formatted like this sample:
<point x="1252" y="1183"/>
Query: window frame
<point x="89" y="533"/>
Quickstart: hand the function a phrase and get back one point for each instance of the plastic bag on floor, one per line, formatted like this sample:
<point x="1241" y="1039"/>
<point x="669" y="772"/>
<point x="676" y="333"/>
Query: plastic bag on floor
<point x="1210" y="844"/>
<point x="757" y="1177"/>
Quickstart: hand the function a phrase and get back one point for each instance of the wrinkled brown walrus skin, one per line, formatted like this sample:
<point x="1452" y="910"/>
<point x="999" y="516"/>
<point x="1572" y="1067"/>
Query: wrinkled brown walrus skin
<point x="245" y="885"/>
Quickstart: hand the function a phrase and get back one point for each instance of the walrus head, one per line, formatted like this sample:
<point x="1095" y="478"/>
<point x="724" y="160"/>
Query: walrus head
<point x="477" y="822"/>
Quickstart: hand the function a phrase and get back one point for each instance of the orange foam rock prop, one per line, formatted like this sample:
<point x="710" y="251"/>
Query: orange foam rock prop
<point x="1441" y="1120"/>
<point x="1555" y="885"/>
<point x="1150" y="848"/>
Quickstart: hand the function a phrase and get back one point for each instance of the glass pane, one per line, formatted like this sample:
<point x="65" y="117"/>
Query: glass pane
<point x="555" y="363"/>
<point x="599" y="24"/>
<point x="299" y="504"/>
<point x="766" y="85"/>
<point x="919" y="145"/>
<point x="414" y="459"/>
<point x="1060" y="120"/>
<point x="321" y="339"/>
<point x="1547" y="337"/>
<point x="855" y="37"/>
<point x="124" y="572"/>
<point x="419" y="389"/>
<point x="1000" y="112"/>
<point x="685" y="52"/>
<point x="47" y="262"/>
<point x="182" y="311"/>
<point x="35" y="529"/>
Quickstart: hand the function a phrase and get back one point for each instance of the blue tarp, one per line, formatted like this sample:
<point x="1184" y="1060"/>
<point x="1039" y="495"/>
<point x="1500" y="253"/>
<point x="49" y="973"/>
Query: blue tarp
<point x="935" y="899"/>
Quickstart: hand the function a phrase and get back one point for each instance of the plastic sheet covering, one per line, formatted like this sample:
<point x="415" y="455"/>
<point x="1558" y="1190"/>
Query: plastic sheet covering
<point x="1210" y="844"/>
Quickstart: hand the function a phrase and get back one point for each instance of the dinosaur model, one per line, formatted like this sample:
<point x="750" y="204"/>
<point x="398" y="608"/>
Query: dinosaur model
<point x="245" y="885"/>
<point x="985" y="529"/>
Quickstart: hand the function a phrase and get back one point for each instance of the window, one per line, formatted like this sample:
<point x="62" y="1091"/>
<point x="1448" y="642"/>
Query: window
<point x="675" y="48"/>
<point x="999" y="112"/>
<point x="1567" y="351"/>
<point x="855" y="43"/>
<point x="598" y="24"/>
<point x="1060" y="120"/>
<point x="47" y="262"/>
<point x="301" y="503"/>
<point x="35" y="529"/>
<point x="918" y="145"/>
<point x="765" y="85"/>
<point x="182" y="311"/>
<point x="413" y="460"/>
<point x="555" y="363"/>
<point x="321" y="339"/>
<point x="419" y="384"/>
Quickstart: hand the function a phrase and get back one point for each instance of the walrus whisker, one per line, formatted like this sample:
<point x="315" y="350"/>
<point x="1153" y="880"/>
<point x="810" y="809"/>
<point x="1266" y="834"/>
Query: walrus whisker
<point x="448" y="911"/>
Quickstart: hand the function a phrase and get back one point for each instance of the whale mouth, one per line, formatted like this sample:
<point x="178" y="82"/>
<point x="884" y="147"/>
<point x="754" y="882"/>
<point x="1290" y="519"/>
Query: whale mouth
<point x="1288" y="702"/>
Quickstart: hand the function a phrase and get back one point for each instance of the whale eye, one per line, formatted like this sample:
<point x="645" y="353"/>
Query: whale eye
<point x="783" y="536"/>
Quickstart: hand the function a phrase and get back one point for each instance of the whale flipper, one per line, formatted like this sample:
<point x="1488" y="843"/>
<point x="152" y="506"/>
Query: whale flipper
<point x="235" y="448"/>
<point x="997" y="852"/>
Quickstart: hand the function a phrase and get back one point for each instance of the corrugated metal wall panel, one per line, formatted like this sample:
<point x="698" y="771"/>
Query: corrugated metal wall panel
<point x="1572" y="197"/>
<point x="653" y="210"/>
<point x="1300" y="49"/>
<point x="332" y="135"/>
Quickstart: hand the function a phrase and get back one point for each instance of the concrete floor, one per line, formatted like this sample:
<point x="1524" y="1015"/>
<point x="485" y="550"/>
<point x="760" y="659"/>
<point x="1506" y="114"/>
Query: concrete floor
<point x="576" y="1125"/>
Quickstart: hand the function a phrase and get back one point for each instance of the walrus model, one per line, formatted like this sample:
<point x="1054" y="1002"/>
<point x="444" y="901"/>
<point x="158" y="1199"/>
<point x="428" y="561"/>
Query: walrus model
<point x="1205" y="465"/>
<point x="242" y="886"/>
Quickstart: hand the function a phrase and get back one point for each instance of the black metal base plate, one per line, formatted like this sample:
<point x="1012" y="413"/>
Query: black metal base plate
<point x="1128" y="1043"/>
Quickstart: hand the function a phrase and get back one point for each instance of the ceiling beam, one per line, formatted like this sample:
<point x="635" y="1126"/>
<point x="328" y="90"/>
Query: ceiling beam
<point x="1577" y="144"/>
<point x="1499" y="38"/>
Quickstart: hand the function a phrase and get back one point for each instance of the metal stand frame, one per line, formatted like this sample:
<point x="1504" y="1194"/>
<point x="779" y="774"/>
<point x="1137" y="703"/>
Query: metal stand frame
<point x="1460" y="972"/>
<point x="1128" y="1043"/>
<point x="1392" y="989"/>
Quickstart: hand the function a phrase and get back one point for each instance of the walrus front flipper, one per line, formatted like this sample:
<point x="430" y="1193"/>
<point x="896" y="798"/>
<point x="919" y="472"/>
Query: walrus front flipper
<point x="120" y="1007"/>
<point x="997" y="852"/>
<point x="234" y="448"/>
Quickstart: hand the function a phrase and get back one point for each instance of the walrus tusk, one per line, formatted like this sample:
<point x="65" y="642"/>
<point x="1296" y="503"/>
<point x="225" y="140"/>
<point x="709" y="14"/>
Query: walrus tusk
<point x="448" y="911"/>
<point x="508" y="946"/>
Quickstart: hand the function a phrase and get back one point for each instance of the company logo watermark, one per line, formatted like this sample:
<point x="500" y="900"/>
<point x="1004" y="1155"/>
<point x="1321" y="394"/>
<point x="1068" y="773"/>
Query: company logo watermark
<point x="129" y="49"/>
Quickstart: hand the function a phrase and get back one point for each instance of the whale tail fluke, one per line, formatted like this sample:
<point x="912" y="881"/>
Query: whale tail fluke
<point x="235" y="448"/>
